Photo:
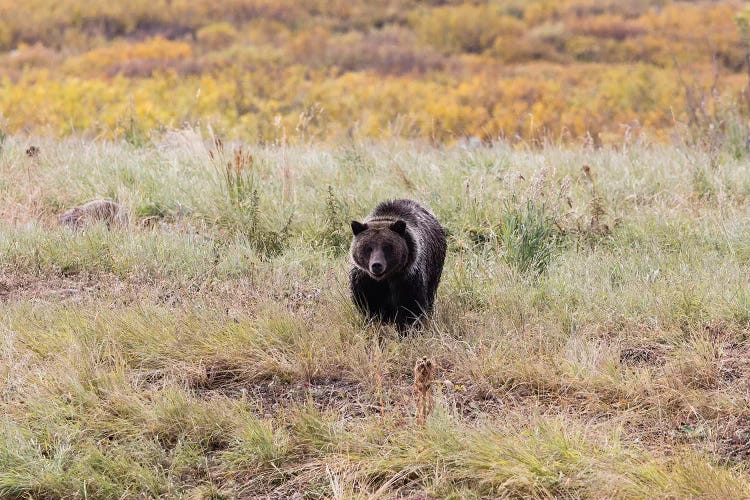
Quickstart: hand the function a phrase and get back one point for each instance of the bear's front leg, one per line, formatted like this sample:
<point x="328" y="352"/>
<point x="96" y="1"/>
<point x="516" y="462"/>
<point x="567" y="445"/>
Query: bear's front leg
<point x="370" y="296"/>
<point x="412" y="304"/>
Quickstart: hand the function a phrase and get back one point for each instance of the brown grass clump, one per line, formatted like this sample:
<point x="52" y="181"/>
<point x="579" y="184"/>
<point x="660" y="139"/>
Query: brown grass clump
<point x="424" y="376"/>
<point x="237" y="173"/>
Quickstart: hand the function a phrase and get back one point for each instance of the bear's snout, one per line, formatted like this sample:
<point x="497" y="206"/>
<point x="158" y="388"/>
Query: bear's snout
<point x="377" y="266"/>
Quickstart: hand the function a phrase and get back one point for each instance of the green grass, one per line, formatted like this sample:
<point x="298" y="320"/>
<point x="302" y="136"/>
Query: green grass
<point x="590" y="334"/>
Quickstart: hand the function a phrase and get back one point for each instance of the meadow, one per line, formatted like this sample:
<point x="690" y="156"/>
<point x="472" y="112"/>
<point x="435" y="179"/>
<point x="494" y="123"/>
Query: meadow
<point x="590" y="333"/>
<point x="588" y="159"/>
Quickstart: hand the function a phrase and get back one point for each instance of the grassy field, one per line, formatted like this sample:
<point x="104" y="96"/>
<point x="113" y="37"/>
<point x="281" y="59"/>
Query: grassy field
<point x="590" y="335"/>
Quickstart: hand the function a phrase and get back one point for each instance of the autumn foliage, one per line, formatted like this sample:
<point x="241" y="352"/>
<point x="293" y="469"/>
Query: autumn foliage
<point x="288" y="70"/>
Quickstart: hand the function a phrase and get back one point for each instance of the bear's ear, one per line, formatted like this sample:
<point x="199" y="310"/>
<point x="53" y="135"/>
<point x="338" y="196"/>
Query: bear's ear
<point x="358" y="227"/>
<point x="399" y="226"/>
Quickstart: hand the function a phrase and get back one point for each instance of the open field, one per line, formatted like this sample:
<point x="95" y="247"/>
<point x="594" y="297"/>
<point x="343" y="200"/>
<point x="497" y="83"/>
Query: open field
<point x="591" y="331"/>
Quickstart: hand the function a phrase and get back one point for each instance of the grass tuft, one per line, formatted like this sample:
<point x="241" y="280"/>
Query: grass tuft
<point x="528" y="237"/>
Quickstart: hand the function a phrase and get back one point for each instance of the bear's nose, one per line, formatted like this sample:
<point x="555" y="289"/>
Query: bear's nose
<point x="376" y="268"/>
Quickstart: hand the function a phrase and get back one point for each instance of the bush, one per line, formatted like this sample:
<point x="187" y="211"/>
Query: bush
<point x="388" y="51"/>
<point x="607" y="26"/>
<point x="217" y="35"/>
<point x="466" y="28"/>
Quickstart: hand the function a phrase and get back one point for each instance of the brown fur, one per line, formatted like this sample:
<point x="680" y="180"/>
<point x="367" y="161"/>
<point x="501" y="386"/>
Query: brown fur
<point x="397" y="257"/>
<point x="97" y="211"/>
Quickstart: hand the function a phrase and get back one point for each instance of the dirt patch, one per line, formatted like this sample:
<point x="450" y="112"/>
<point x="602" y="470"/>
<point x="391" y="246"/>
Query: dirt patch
<point x="734" y="439"/>
<point x="643" y="355"/>
<point x="733" y="367"/>
<point x="16" y="288"/>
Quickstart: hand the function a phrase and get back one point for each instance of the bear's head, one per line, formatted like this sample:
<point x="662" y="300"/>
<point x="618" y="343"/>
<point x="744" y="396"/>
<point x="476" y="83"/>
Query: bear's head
<point x="380" y="248"/>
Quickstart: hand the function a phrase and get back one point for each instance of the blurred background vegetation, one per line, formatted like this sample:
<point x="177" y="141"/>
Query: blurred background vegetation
<point x="600" y="71"/>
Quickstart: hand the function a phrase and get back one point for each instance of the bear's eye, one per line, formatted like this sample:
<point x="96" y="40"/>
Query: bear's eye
<point x="368" y="249"/>
<point x="387" y="248"/>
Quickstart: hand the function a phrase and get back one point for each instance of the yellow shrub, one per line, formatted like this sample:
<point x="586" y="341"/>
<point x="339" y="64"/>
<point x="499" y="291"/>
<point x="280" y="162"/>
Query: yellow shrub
<point x="217" y="35"/>
<point x="102" y="60"/>
<point x="465" y="28"/>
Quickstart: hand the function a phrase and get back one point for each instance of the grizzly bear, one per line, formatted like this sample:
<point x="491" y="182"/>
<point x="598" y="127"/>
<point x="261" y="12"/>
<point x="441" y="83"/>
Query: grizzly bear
<point x="397" y="258"/>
